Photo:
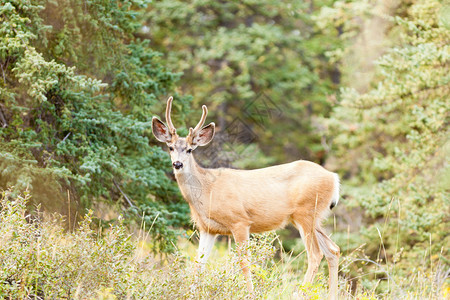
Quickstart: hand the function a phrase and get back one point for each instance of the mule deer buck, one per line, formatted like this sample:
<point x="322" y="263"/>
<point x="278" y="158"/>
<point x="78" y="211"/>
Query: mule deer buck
<point x="240" y="202"/>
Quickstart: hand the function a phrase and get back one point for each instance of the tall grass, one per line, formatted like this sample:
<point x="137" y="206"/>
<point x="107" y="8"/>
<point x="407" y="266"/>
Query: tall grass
<point x="40" y="260"/>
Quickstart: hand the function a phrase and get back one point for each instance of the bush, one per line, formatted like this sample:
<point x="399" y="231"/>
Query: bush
<point x="42" y="261"/>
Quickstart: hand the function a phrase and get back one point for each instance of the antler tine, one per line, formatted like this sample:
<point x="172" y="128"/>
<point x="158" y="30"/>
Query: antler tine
<point x="202" y="120"/>
<point x="168" y="118"/>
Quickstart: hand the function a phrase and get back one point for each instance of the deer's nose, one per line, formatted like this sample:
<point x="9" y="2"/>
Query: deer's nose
<point x="177" y="165"/>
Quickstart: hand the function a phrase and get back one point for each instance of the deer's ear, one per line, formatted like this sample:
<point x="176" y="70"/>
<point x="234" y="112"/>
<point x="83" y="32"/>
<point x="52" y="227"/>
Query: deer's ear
<point x="204" y="136"/>
<point x="160" y="131"/>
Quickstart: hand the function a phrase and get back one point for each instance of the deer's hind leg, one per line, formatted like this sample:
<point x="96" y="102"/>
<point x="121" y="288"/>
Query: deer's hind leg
<point x="332" y="253"/>
<point x="305" y="225"/>
<point x="241" y="235"/>
<point x="317" y="245"/>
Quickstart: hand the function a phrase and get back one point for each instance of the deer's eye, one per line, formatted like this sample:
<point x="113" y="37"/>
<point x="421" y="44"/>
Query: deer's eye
<point x="189" y="151"/>
<point x="171" y="148"/>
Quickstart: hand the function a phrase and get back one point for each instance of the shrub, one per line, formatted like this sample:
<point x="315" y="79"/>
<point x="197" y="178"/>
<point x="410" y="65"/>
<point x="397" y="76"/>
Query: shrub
<point x="40" y="260"/>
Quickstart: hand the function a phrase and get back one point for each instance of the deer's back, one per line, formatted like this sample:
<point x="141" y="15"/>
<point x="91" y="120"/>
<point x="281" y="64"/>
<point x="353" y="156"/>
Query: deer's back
<point x="267" y="198"/>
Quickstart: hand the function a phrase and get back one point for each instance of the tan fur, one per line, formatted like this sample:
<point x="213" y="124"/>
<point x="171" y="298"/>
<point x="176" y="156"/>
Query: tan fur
<point x="263" y="199"/>
<point x="240" y="202"/>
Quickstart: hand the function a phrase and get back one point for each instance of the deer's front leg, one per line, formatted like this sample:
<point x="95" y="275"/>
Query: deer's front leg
<point x="241" y="236"/>
<point x="204" y="249"/>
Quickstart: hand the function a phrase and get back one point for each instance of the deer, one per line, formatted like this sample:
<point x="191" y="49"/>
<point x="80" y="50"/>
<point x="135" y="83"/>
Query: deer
<point x="225" y="201"/>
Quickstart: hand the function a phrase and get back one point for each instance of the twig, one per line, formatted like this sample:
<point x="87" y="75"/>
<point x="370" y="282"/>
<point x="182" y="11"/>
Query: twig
<point x="383" y="270"/>
<point x="66" y="137"/>
<point x="2" y="117"/>
<point x="31" y="296"/>
<point x="3" y="72"/>
<point x="53" y="154"/>
<point x="68" y="203"/>
<point x="123" y="194"/>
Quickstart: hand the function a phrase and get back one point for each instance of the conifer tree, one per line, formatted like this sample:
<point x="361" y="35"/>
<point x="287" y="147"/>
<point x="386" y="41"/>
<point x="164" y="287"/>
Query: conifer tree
<point x="78" y="89"/>
<point x="392" y="142"/>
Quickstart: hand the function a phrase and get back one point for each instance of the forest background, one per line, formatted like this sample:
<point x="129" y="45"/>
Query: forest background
<point x="361" y="87"/>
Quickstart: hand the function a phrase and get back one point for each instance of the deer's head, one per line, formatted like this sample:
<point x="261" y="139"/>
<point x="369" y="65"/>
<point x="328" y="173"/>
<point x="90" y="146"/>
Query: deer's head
<point x="180" y="149"/>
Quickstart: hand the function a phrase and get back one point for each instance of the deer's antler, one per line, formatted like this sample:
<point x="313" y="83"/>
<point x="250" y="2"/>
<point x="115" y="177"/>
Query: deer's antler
<point x="193" y="132"/>
<point x="172" y="129"/>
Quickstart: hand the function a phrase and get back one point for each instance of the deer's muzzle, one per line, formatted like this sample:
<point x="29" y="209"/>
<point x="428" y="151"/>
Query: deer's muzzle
<point x="177" y="165"/>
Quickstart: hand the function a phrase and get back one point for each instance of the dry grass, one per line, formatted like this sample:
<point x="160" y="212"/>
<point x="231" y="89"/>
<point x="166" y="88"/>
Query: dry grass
<point x="39" y="260"/>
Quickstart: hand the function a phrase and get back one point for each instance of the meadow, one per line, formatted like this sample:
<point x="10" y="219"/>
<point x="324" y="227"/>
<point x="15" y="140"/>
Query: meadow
<point x="42" y="260"/>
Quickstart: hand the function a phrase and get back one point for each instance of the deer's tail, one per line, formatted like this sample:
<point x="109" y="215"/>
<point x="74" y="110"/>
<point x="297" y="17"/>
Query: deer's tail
<point x="335" y="197"/>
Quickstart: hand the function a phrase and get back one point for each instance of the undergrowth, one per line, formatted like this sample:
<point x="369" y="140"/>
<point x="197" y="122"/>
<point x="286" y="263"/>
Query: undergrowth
<point x="40" y="260"/>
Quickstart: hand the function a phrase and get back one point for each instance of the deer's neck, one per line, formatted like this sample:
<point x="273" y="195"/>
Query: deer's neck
<point x="194" y="182"/>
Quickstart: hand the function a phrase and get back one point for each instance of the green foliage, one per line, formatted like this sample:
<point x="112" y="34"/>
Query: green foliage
<point x="78" y="90"/>
<point x="393" y="143"/>
<point x="41" y="260"/>
<point x="253" y="62"/>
